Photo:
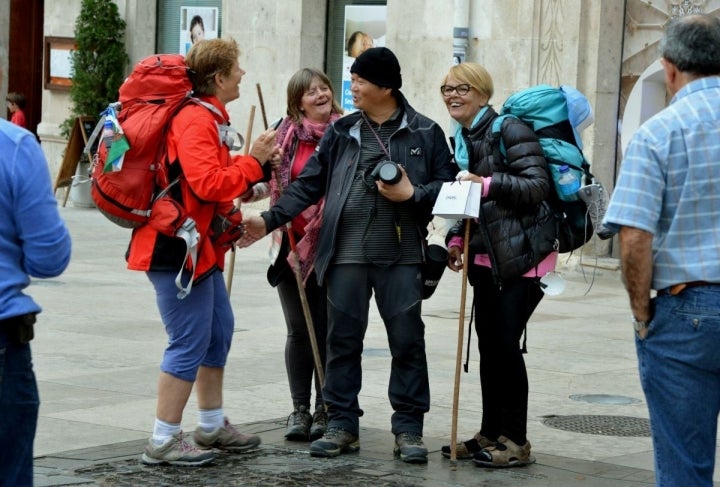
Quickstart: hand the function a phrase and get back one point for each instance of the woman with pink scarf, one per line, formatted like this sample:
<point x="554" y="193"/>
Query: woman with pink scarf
<point x="311" y="107"/>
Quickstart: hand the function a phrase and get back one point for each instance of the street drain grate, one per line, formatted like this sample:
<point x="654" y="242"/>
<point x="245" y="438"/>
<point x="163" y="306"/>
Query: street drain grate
<point x="600" y="425"/>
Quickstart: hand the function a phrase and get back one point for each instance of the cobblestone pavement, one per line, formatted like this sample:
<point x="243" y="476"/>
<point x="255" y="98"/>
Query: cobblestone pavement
<point x="281" y="463"/>
<point x="267" y="467"/>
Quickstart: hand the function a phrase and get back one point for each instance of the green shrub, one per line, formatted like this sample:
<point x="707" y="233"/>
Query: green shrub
<point x="98" y="62"/>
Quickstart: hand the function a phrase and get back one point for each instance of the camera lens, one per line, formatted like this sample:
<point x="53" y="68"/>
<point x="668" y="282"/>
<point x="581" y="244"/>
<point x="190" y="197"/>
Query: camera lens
<point x="388" y="172"/>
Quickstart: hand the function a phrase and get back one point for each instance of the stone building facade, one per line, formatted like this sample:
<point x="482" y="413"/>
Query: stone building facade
<point x="600" y="46"/>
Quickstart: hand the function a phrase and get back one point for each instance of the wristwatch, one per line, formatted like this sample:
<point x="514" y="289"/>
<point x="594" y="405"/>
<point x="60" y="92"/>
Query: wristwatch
<point x="640" y="324"/>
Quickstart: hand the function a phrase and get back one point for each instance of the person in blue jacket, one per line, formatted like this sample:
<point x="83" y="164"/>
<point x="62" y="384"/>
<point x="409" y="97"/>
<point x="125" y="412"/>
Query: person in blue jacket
<point x="34" y="242"/>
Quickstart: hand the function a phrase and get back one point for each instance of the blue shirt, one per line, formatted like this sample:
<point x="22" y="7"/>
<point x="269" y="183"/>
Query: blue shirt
<point x="669" y="185"/>
<point x="34" y="240"/>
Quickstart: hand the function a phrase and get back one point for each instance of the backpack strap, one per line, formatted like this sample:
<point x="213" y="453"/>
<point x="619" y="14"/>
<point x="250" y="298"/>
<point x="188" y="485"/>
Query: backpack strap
<point x="189" y="233"/>
<point x="497" y="140"/>
<point x="227" y="134"/>
<point x="186" y="230"/>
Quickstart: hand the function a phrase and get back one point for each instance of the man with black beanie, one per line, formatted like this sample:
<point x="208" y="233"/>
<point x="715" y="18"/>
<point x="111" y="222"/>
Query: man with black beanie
<point x="380" y="170"/>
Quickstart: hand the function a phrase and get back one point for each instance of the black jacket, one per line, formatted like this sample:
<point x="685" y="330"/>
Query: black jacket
<point x="517" y="226"/>
<point x="419" y="145"/>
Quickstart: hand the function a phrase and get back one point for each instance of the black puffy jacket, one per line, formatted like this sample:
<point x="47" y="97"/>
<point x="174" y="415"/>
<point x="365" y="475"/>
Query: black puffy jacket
<point x="517" y="227"/>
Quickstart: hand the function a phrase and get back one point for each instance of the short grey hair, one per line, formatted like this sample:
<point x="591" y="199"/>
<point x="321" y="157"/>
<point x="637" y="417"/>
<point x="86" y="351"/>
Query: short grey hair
<point x="692" y="44"/>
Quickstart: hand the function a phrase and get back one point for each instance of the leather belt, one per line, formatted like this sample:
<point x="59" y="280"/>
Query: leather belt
<point x="20" y="329"/>
<point x="18" y="320"/>
<point x="678" y="288"/>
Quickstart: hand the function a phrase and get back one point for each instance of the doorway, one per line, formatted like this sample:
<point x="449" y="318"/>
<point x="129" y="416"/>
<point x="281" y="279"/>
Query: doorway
<point x="25" y="56"/>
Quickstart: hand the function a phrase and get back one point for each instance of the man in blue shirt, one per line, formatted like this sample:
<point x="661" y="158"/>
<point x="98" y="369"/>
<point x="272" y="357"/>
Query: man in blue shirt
<point x="33" y="242"/>
<point x="666" y="205"/>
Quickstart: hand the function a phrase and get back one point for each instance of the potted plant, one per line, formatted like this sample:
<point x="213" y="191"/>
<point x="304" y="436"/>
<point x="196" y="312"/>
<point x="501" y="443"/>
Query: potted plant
<point x="98" y="63"/>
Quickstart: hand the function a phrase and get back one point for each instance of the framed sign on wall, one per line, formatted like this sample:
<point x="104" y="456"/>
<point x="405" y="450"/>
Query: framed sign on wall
<point x="58" y="65"/>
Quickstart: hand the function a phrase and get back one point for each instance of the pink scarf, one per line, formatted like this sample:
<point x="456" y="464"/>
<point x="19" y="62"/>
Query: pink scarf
<point x="290" y="133"/>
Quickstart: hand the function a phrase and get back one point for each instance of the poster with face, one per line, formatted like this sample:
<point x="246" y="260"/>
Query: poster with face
<point x="197" y="23"/>
<point x="365" y="27"/>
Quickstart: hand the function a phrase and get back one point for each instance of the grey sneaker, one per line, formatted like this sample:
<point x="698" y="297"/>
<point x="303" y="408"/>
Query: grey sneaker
<point x="410" y="448"/>
<point x="334" y="442"/>
<point x="225" y="438"/>
<point x="319" y="424"/>
<point x="596" y="199"/>
<point x="298" y="425"/>
<point x="176" y="451"/>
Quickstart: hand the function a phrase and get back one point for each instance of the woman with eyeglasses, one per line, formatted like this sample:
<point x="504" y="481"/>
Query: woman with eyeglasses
<point x="511" y="246"/>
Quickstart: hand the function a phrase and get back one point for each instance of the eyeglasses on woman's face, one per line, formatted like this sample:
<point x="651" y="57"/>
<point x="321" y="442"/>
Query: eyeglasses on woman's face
<point x="461" y="90"/>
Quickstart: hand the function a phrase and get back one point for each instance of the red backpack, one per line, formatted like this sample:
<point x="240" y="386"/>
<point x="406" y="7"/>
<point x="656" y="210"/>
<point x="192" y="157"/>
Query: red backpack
<point x="130" y="182"/>
<point x="131" y="189"/>
<point x="155" y="91"/>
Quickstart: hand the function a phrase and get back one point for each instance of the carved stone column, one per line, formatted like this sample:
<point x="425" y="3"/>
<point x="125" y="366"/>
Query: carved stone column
<point x="578" y="43"/>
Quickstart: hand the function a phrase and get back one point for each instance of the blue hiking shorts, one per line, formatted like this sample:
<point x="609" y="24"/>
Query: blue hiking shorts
<point x="199" y="327"/>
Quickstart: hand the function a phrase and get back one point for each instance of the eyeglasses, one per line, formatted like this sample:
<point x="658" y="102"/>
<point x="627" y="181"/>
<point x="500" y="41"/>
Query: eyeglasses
<point x="461" y="90"/>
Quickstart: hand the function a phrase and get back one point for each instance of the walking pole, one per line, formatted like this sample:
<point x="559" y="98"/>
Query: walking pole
<point x="296" y="269"/>
<point x="458" y="358"/>
<point x="246" y="151"/>
<point x="262" y="105"/>
<point x="303" y="299"/>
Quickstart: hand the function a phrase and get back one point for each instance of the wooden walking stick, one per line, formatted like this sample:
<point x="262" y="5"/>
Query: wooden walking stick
<point x="303" y="300"/>
<point x="246" y="151"/>
<point x="296" y="268"/>
<point x="262" y="105"/>
<point x="458" y="358"/>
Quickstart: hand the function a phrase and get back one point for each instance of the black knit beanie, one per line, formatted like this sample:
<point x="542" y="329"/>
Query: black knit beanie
<point x="379" y="66"/>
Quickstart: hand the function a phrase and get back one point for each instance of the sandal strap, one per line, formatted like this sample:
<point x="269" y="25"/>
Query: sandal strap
<point x="504" y="453"/>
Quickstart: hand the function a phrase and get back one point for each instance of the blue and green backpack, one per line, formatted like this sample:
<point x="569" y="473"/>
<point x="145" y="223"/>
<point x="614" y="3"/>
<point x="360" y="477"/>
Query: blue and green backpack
<point x="545" y="109"/>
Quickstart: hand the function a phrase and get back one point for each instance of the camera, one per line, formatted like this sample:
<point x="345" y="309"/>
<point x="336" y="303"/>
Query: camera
<point x="387" y="171"/>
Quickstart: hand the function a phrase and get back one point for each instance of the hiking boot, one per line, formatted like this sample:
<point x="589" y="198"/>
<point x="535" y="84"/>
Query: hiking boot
<point x="505" y="453"/>
<point x="410" y="448"/>
<point x="176" y="451"/>
<point x="596" y="199"/>
<point x="298" y="425"/>
<point x="466" y="449"/>
<point x="225" y="438"/>
<point x="319" y="424"/>
<point x="334" y="442"/>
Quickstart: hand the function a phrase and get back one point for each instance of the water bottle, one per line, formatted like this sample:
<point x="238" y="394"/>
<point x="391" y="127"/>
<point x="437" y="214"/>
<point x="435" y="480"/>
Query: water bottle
<point x="108" y="133"/>
<point x="568" y="184"/>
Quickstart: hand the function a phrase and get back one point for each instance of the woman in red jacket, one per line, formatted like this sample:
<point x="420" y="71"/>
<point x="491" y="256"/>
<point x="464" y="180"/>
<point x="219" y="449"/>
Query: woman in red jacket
<point x="199" y="325"/>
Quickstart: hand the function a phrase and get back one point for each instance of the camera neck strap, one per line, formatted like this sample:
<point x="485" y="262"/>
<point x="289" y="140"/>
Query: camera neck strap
<point x="372" y="129"/>
<point x="373" y="210"/>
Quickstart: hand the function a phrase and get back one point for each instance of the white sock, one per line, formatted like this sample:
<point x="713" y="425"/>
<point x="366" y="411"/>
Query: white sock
<point x="163" y="431"/>
<point x="211" y="419"/>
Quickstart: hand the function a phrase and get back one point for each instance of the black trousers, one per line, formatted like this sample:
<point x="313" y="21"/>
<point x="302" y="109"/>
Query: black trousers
<point x="398" y="291"/>
<point x="501" y="315"/>
<point x="299" y="359"/>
